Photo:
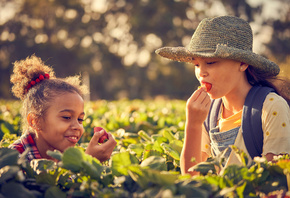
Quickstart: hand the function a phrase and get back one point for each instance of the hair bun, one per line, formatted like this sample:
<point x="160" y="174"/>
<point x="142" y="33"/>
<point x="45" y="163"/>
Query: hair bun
<point x="27" y="73"/>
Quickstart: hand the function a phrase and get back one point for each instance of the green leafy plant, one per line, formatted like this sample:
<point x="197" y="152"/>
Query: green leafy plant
<point x="145" y="162"/>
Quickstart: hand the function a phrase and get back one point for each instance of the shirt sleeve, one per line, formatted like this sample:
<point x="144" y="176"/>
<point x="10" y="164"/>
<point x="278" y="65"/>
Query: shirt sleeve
<point x="205" y="142"/>
<point x="276" y="125"/>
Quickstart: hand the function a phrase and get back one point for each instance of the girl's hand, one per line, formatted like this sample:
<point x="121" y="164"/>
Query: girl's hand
<point x="101" y="151"/>
<point x="197" y="106"/>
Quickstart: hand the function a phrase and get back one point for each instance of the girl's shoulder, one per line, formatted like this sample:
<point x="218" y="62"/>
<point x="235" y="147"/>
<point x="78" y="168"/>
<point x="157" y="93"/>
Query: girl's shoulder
<point x="22" y="143"/>
<point x="17" y="145"/>
<point x="275" y="104"/>
<point x="273" y="99"/>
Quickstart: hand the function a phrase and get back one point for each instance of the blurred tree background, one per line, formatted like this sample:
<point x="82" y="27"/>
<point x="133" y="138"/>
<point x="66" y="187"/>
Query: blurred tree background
<point x="111" y="43"/>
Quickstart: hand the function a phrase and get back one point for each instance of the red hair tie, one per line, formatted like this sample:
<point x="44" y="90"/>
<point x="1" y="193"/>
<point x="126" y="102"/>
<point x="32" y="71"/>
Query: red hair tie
<point x="37" y="80"/>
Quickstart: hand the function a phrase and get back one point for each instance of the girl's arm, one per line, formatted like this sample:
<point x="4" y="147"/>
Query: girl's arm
<point x="197" y="108"/>
<point x="191" y="150"/>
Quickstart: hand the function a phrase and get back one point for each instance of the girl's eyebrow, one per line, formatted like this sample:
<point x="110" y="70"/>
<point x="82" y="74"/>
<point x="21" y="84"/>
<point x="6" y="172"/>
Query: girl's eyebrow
<point x="70" y="111"/>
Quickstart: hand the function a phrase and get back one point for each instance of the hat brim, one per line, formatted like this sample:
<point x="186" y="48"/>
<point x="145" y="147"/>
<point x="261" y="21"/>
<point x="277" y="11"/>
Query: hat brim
<point x="182" y="54"/>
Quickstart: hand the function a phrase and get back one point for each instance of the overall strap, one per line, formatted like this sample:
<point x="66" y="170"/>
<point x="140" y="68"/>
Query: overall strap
<point x="212" y="117"/>
<point x="251" y="120"/>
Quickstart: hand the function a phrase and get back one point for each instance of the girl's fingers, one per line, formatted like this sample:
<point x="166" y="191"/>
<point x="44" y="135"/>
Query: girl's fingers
<point x="96" y="136"/>
<point x="111" y="141"/>
<point x="196" y="94"/>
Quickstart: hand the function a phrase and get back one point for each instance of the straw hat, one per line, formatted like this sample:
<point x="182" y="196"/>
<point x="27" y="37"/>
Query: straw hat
<point x="225" y="37"/>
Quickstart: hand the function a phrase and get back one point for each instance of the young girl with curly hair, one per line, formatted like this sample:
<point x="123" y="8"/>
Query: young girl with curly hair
<point x="53" y="112"/>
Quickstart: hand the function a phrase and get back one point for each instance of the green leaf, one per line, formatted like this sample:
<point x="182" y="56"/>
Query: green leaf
<point x="161" y="122"/>
<point x="91" y="170"/>
<point x="155" y="162"/>
<point x="13" y="189"/>
<point x="131" y="135"/>
<point x="240" y="189"/>
<point x="203" y="168"/>
<point x="121" y="161"/>
<point x="167" y="134"/>
<point x="177" y="145"/>
<point x="136" y="173"/>
<point x="8" y="157"/>
<point x="179" y="135"/>
<point x="136" y="148"/>
<point x="8" y="172"/>
<point x="212" y="179"/>
<point x="149" y="146"/>
<point x="6" y="127"/>
<point x="42" y="164"/>
<point x="170" y="151"/>
<point x="157" y="147"/>
<point x="144" y="177"/>
<point x="224" y="183"/>
<point x="144" y="136"/>
<point x="162" y="178"/>
<point x="241" y="155"/>
<point x="158" y="138"/>
<point x="228" y="192"/>
<point x="237" y="173"/>
<point x="55" y="154"/>
<point x="54" y="192"/>
<point x="72" y="159"/>
<point x="45" y="178"/>
<point x="64" y="178"/>
<point x="148" y="153"/>
<point x="107" y="179"/>
<point x="193" y="189"/>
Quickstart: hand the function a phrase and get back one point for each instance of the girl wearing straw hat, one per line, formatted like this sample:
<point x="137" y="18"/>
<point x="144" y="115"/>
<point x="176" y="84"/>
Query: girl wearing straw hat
<point x="225" y="110"/>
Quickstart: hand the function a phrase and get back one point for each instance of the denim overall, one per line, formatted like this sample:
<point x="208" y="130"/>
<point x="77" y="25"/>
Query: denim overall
<point x="221" y="140"/>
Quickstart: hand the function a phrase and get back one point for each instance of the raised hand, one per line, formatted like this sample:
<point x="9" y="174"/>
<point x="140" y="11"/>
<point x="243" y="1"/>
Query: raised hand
<point x="104" y="150"/>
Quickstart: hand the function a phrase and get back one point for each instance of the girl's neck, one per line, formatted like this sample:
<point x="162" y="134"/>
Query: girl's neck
<point x="234" y="102"/>
<point x="40" y="144"/>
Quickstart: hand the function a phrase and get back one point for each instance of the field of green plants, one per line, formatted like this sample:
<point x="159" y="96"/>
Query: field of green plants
<point x="145" y="162"/>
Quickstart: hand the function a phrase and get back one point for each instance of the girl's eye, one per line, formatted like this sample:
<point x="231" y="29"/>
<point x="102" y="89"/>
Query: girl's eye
<point x="210" y="63"/>
<point x="66" y="117"/>
<point x="80" y="120"/>
<point x="196" y="65"/>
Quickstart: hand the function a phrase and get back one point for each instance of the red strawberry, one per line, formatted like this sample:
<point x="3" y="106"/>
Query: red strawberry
<point x="207" y="86"/>
<point x="104" y="137"/>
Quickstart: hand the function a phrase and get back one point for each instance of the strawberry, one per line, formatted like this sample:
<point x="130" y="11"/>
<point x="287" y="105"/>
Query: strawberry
<point x="104" y="137"/>
<point x="207" y="86"/>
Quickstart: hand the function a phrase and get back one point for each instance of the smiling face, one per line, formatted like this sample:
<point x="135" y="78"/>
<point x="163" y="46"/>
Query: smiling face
<point x="225" y="76"/>
<point x="61" y="127"/>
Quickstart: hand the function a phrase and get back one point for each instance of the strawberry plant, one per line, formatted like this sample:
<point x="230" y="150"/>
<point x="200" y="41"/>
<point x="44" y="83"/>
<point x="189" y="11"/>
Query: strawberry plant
<point x="145" y="162"/>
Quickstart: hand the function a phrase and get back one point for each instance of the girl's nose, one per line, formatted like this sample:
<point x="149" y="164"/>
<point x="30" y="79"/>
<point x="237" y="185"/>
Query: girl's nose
<point x="201" y="71"/>
<point x="76" y="125"/>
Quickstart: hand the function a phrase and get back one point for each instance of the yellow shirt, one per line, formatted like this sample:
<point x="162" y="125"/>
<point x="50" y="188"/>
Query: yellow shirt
<point x="275" y="125"/>
<point x="230" y="122"/>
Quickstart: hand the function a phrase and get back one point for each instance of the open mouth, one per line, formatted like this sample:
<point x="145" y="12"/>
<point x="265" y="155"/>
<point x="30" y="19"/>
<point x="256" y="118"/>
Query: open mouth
<point x="72" y="139"/>
<point x="207" y="86"/>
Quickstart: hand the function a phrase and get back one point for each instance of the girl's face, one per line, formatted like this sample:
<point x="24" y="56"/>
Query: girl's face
<point x="224" y="76"/>
<point x="62" y="126"/>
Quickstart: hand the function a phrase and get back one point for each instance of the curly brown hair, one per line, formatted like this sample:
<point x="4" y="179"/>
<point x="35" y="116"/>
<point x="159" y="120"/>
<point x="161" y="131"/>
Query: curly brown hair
<point x="39" y="97"/>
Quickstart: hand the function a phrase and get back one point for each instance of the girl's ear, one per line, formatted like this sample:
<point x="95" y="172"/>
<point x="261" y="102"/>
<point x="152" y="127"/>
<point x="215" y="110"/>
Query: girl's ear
<point x="243" y="66"/>
<point x="33" y="121"/>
